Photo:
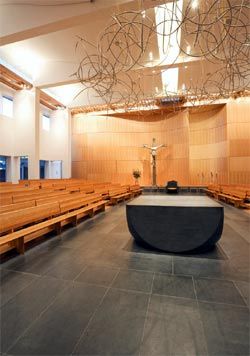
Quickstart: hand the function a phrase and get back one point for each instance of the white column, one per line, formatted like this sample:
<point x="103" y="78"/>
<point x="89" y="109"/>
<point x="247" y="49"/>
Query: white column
<point x="66" y="164"/>
<point x="33" y="162"/>
<point x="9" y="169"/>
<point x="15" y="169"/>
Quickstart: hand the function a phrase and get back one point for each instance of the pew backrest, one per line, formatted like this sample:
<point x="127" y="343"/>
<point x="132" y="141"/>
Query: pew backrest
<point x="18" y="206"/>
<point x="60" y="198"/>
<point x="76" y="203"/>
<point x="15" y="219"/>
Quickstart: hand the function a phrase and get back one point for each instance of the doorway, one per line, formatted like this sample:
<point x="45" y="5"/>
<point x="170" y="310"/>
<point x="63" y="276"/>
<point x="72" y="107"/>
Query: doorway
<point x="24" y="167"/>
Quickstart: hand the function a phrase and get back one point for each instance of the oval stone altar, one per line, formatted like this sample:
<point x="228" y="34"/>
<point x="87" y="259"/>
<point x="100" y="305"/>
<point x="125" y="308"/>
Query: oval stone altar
<point x="176" y="223"/>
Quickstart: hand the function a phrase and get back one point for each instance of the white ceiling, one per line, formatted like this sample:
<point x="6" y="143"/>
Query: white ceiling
<point x="39" y="42"/>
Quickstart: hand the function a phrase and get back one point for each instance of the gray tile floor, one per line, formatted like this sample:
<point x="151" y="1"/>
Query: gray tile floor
<point x="87" y="293"/>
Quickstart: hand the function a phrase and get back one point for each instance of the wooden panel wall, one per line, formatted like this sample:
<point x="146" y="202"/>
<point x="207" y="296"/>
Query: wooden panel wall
<point x="238" y="117"/>
<point x="109" y="148"/>
<point x="208" y="147"/>
<point x="211" y="146"/>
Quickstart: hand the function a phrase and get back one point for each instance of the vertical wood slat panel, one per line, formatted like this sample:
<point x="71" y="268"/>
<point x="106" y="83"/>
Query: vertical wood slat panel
<point x="208" y="147"/>
<point x="239" y="141"/>
<point x="111" y="147"/>
<point x="202" y="148"/>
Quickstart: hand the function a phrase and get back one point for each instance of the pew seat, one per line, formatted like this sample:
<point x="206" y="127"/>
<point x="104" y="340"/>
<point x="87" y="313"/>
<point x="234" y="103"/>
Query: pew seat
<point x="135" y="190"/>
<point x="118" y="195"/>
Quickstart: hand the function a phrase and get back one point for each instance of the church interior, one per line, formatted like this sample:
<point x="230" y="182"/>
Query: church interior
<point x="124" y="177"/>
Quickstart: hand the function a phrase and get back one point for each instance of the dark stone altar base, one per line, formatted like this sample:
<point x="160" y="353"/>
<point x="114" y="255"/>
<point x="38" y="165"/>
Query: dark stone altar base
<point x="175" y="224"/>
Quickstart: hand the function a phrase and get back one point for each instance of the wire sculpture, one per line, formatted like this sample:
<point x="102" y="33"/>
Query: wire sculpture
<point x="215" y="32"/>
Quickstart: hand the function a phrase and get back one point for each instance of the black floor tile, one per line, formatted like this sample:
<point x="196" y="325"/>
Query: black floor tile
<point x="12" y="283"/>
<point x="145" y="262"/>
<point x="244" y="288"/>
<point x="120" y="228"/>
<point x="117" y="326"/>
<point x="67" y="269"/>
<point x="233" y="243"/>
<point x="24" y="308"/>
<point x="177" y="286"/>
<point x="208" y="268"/>
<point x="39" y="259"/>
<point x="226" y="329"/>
<point x="60" y="327"/>
<point x="173" y="327"/>
<point x="134" y="280"/>
<point x="212" y="290"/>
<point x="98" y="275"/>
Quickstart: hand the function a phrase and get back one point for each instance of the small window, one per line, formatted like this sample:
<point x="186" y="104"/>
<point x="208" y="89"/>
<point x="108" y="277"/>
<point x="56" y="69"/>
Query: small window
<point x="3" y="168"/>
<point x="46" y="122"/>
<point x="7" y="106"/>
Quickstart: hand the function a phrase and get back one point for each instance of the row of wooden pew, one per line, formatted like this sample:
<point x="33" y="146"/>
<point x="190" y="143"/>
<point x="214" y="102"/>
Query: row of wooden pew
<point x="237" y="195"/>
<point x="32" y="212"/>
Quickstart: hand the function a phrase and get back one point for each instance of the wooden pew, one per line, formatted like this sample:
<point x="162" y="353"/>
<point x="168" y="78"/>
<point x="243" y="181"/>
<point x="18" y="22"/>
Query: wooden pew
<point x="236" y="195"/>
<point x="7" y="194"/>
<point x="58" y="198"/>
<point x="103" y="191"/>
<point x="13" y="220"/>
<point x="18" y="206"/>
<point x="213" y="191"/>
<point x="135" y="190"/>
<point x="87" y="188"/>
<point x="5" y="184"/>
<point x="21" y="221"/>
<point x="53" y="212"/>
<point x="35" y="196"/>
<point x="5" y="200"/>
<point x="120" y="194"/>
<point x="78" y="202"/>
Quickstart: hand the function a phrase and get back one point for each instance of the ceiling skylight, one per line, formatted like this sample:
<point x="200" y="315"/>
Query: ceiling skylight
<point x="168" y="17"/>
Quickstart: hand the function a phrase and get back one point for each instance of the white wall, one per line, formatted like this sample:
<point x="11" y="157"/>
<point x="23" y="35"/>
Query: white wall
<point x="7" y="125"/>
<point x="23" y="135"/>
<point x="55" y="144"/>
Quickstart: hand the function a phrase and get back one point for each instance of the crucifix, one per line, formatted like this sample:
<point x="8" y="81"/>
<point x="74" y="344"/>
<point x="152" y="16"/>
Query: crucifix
<point x="153" y="150"/>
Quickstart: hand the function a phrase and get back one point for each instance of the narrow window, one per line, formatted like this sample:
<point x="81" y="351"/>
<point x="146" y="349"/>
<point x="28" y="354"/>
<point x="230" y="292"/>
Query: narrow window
<point x="46" y="122"/>
<point x="7" y="107"/>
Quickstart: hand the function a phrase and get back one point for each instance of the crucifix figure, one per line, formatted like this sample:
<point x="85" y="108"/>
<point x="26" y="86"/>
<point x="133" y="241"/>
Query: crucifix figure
<point x="153" y="150"/>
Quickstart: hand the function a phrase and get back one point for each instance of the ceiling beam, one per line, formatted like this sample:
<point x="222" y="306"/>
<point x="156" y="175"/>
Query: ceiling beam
<point x="13" y="80"/>
<point x="49" y="101"/>
<point x="95" y="9"/>
<point x="58" y="84"/>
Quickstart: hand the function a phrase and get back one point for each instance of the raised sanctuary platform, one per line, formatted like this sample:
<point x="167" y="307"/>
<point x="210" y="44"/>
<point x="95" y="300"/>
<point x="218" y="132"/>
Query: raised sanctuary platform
<point x="175" y="223"/>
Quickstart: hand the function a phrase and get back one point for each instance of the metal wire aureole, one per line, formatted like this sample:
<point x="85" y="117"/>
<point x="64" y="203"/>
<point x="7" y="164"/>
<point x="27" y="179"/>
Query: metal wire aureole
<point x="216" y="32"/>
